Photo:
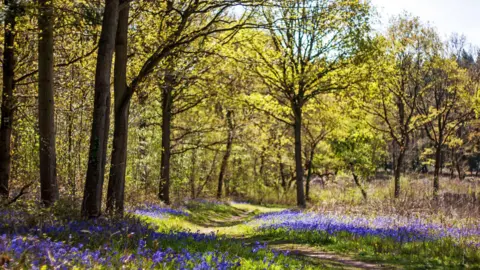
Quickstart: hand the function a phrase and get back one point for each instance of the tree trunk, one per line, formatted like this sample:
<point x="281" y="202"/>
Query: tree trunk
<point x="116" y="181"/>
<point x="228" y="151"/>
<point x="167" y="99"/>
<point x="357" y="183"/>
<point x="309" y="174"/>
<point x="71" y="162"/>
<point x="193" y="174"/>
<point x="92" y="197"/>
<point x="460" y="172"/>
<point x="297" y="110"/>
<point x="436" y="172"/>
<point x="142" y="165"/>
<point x="281" y="168"/>
<point x="7" y="97"/>
<point x="397" y="171"/>
<point x="46" y="105"/>
<point x="457" y="162"/>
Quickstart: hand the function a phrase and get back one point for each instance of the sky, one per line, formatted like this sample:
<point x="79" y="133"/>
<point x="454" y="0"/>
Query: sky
<point x="447" y="16"/>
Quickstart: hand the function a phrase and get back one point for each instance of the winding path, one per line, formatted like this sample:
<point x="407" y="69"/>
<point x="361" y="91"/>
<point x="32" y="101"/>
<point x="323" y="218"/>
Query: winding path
<point x="315" y="256"/>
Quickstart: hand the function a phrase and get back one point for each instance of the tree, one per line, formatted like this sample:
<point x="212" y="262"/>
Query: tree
<point x="231" y="134"/>
<point x="310" y="44"/>
<point x="356" y="146"/>
<point x="46" y="107"/>
<point x="92" y="196"/>
<point x="443" y="108"/>
<point x="116" y="181"/>
<point x="7" y="107"/>
<point x="179" y="94"/>
<point x="399" y="81"/>
<point x="319" y="121"/>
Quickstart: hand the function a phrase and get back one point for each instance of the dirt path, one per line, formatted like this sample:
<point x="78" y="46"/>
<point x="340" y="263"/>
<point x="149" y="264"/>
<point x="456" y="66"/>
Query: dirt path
<point x="313" y="255"/>
<point x="221" y="224"/>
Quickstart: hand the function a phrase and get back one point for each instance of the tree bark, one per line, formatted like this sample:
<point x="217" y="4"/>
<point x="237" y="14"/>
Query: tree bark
<point x="228" y="151"/>
<point x="193" y="174"/>
<point x="46" y="105"/>
<point x="167" y="99"/>
<point x="7" y="108"/>
<point x="116" y="181"/>
<point x="436" y="172"/>
<point x="71" y="162"/>
<point x="309" y="174"/>
<point x="92" y="197"/>
<point x="281" y="168"/>
<point x="357" y="182"/>
<point x="397" y="171"/>
<point x="142" y="165"/>
<point x="297" y="110"/>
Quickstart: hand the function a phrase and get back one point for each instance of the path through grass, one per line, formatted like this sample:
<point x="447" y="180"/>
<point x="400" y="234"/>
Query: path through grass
<point x="233" y="222"/>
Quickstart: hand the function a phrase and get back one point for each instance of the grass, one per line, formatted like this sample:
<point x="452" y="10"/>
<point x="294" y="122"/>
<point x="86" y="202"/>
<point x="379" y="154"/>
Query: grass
<point x="417" y="255"/>
<point x="224" y="219"/>
<point x="230" y="221"/>
<point x="233" y="221"/>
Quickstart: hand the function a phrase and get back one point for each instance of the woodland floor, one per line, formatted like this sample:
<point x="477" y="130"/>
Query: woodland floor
<point x="231" y="222"/>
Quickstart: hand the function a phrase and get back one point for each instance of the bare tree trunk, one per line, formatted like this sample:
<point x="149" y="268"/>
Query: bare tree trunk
<point x="397" y="171"/>
<point x="436" y="172"/>
<point x="7" y="96"/>
<point x="457" y="163"/>
<point x="309" y="174"/>
<point x="193" y="173"/>
<point x="167" y="99"/>
<point x="71" y="163"/>
<point x="46" y="105"/>
<point x="460" y="172"/>
<point x="116" y="181"/>
<point x="357" y="182"/>
<point x="228" y="151"/>
<point x="209" y="176"/>
<point x="92" y="197"/>
<point x="142" y="166"/>
<point x="282" y="175"/>
<point x="298" y="155"/>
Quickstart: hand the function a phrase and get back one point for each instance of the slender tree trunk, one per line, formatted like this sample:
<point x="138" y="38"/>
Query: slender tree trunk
<point x="297" y="110"/>
<point x="453" y="166"/>
<point x="436" y="172"/>
<point x="92" y="197"/>
<point x="193" y="173"/>
<point x="309" y="174"/>
<point x="46" y="105"/>
<point x="71" y="162"/>
<point x="261" y="170"/>
<point x="228" y="151"/>
<point x="281" y="168"/>
<point x="357" y="182"/>
<point x="167" y="99"/>
<point x="209" y="176"/>
<point x="7" y="96"/>
<point x="460" y="172"/>
<point x="116" y="181"/>
<point x="457" y="162"/>
<point x="397" y="171"/>
<point x="142" y="165"/>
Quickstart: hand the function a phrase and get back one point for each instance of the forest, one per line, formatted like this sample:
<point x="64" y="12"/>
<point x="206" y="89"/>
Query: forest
<point x="236" y="134"/>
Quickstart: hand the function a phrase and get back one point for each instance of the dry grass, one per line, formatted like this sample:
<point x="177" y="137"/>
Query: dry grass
<point x="459" y="201"/>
